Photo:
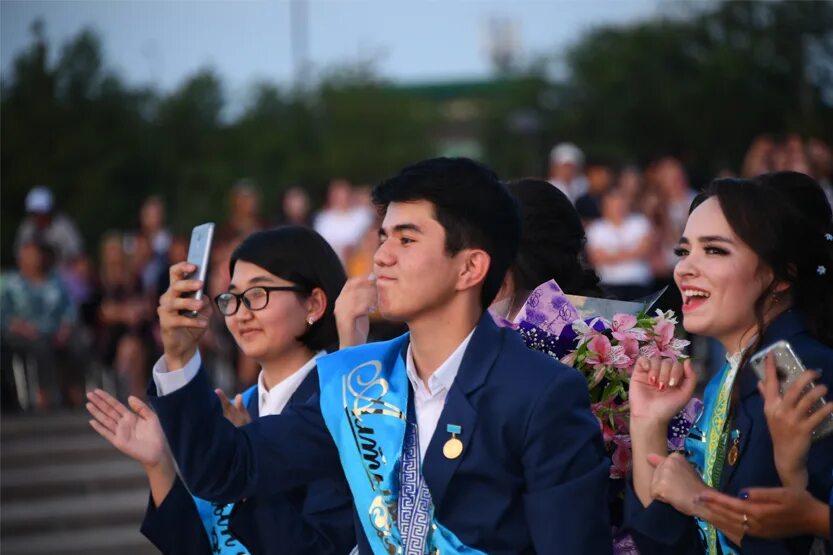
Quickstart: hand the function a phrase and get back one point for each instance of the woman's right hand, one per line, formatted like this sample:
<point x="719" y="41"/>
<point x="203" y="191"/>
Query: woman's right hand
<point x="181" y="334"/>
<point x="790" y="422"/>
<point x="660" y="388"/>
<point x="352" y="310"/>
<point x="136" y="433"/>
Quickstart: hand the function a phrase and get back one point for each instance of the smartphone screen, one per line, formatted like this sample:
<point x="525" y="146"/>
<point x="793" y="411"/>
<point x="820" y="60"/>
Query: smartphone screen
<point x="198" y="253"/>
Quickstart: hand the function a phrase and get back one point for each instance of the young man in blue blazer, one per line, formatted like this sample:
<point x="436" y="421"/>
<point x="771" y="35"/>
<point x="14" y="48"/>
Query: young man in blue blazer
<point x="454" y="438"/>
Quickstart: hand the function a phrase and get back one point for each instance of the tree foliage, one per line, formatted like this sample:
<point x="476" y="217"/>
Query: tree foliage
<point x="699" y="84"/>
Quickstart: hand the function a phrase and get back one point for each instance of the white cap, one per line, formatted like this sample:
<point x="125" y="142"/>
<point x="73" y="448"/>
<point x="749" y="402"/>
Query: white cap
<point x="567" y="153"/>
<point x="39" y="200"/>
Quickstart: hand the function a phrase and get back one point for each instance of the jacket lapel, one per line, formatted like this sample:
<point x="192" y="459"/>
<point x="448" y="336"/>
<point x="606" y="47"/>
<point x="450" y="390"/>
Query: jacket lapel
<point x="253" y="406"/>
<point x="307" y="388"/>
<point x="478" y="359"/>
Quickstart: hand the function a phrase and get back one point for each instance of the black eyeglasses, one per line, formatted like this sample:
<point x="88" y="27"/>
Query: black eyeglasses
<point x="255" y="298"/>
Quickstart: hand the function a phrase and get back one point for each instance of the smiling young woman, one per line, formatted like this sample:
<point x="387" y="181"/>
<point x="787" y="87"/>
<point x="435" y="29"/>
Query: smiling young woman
<point x="754" y="268"/>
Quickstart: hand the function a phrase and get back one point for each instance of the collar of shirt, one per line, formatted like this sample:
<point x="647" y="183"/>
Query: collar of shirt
<point x="273" y="401"/>
<point x="442" y="378"/>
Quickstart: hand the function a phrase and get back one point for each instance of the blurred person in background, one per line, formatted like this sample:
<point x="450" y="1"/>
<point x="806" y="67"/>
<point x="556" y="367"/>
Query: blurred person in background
<point x="342" y="222"/>
<point x="791" y="156"/>
<point x="124" y="316"/>
<point x="618" y="245"/>
<point x="820" y="157"/>
<point x="675" y="197"/>
<point x="152" y="226"/>
<point x="566" y="170"/>
<point x="295" y="208"/>
<point x="37" y="319"/>
<point x="45" y="224"/>
<point x="630" y="184"/>
<point x="244" y="216"/>
<point x="759" y="157"/>
<point x="599" y="180"/>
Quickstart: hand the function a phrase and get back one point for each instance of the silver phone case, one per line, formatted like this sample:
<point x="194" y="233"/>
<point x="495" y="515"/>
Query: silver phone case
<point x="789" y="367"/>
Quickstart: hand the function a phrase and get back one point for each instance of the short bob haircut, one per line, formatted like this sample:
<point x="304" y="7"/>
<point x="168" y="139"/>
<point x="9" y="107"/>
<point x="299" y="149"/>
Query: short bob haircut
<point x="299" y="255"/>
<point x="475" y="209"/>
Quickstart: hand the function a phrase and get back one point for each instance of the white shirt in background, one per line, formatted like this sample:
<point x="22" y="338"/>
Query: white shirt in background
<point x="605" y="236"/>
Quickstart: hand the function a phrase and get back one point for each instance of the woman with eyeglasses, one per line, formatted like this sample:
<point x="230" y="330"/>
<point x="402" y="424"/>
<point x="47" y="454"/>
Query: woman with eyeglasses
<point x="755" y="266"/>
<point x="279" y="309"/>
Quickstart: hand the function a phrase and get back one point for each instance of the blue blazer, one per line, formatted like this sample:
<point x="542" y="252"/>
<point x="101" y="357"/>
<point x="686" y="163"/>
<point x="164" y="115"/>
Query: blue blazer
<point x="659" y="528"/>
<point x="532" y="477"/>
<point x="307" y="519"/>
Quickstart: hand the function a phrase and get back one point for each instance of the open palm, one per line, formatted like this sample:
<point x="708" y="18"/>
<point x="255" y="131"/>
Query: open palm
<point x="136" y="433"/>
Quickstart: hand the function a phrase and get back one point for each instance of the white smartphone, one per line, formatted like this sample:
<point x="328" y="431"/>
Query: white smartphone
<point x="788" y="368"/>
<point x="198" y="253"/>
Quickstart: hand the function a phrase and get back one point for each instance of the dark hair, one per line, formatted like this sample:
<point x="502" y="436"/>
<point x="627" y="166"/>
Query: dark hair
<point x="552" y="241"/>
<point x="300" y="255"/>
<point x="473" y="206"/>
<point x="784" y="217"/>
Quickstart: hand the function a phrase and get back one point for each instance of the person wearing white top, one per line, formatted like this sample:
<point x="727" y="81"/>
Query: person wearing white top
<point x="277" y="308"/>
<point x="618" y="245"/>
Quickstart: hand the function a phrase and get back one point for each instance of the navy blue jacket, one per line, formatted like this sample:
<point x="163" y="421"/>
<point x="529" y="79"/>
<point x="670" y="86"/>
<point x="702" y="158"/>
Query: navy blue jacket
<point x="659" y="528"/>
<point x="532" y="477"/>
<point x="307" y="519"/>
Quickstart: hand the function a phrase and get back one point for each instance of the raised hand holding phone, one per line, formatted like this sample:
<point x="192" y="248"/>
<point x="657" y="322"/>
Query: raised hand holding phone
<point x="181" y="334"/>
<point x="791" y="422"/>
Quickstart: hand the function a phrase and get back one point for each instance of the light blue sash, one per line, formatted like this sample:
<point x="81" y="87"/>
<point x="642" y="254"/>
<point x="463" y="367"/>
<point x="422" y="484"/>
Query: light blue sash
<point x="705" y="446"/>
<point x="365" y="404"/>
<point x="215" y="517"/>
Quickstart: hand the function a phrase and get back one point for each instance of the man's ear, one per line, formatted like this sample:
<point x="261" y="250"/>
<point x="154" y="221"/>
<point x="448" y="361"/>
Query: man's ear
<point x="476" y="264"/>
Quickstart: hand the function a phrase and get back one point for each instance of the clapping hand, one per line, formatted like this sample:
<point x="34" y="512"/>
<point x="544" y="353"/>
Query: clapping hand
<point x="235" y="412"/>
<point x="660" y="388"/>
<point x="134" y="431"/>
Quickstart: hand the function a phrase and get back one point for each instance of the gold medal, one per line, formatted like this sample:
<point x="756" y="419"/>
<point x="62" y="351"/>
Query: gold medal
<point x="453" y="448"/>
<point x="734" y="450"/>
<point x="733" y="455"/>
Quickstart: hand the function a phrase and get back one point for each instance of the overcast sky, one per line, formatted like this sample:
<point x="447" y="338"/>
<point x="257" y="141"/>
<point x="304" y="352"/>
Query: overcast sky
<point x="163" y="42"/>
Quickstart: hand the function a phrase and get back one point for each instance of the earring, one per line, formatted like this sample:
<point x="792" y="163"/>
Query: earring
<point x="310" y="321"/>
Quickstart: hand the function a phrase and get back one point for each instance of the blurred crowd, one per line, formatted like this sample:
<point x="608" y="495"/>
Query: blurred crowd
<point x="75" y="317"/>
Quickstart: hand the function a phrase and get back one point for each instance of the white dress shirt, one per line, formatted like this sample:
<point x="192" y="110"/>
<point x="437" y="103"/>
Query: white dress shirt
<point x="270" y="401"/>
<point x="429" y="401"/>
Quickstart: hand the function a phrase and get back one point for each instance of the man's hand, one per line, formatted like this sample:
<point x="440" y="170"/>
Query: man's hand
<point x="352" y="309"/>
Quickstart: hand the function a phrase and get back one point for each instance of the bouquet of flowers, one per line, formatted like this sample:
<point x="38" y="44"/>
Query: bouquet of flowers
<point x="603" y="339"/>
